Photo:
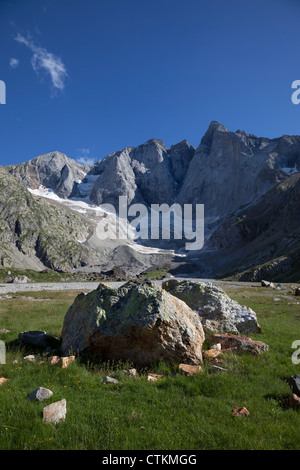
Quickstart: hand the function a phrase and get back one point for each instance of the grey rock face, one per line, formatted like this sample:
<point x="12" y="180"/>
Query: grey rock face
<point x="143" y="174"/>
<point x="231" y="169"/>
<point x="116" y="178"/>
<point x="139" y="322"/>
<point x="226" y="171"/>
<point x="180" y="156"/>
<point x="53" y="170"/>
<point x="218" y="312"/>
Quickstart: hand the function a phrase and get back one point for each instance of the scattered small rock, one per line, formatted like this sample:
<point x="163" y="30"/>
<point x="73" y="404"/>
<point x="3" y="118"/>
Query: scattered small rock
<point x="218" y="368"/>
<point x="3" y="380"/>
<point x="217" y="346"/>
<point x="40" y="394"/>
<point x="267" y="284"/>
<point x="30" y="358"/>
<point x="211" y="354"/>
<point x="293" y="401"/>
<point x="150" y="378"/>
<point x="66" y="361"/>
<point x="132" y="373"/>
<point x="240" y="412"/>
<point x="4" y="331"/>
<point x="54" y="360"/>
<point x="109" y="380"/>
<point x="56" y="412"/>
<point x="238" y="343"/>
<point x="20" y="280"/>
<point x="188" y="369"/>
<point x="153" y="377"/>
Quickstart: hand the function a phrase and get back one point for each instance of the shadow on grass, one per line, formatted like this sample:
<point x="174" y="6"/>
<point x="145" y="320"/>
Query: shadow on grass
<point x="18" y="347"/>
<point x="282" y="400"/>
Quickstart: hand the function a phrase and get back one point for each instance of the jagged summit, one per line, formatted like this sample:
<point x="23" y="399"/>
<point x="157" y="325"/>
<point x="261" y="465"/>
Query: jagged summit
<point x="54" y="170"/>
<point x="217" y="126"/>
<point x="226" y="170"/>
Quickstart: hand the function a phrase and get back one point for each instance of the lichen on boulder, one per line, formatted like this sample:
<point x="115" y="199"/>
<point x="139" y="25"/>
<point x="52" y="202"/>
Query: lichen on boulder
<point x="139" y="322"/>
<point x="218" y="312"/>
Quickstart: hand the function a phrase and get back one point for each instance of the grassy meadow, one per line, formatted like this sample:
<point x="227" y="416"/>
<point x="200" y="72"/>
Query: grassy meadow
<point x="174" y="413"/>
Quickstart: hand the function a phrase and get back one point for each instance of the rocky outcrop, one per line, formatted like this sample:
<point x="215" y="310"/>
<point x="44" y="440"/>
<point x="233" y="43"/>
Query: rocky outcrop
<point x="218" y="312"/>
<point x="277" y="268"/>
<point x="139" y="322"/>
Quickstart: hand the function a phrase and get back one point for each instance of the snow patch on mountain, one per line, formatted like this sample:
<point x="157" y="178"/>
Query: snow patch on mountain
<point x="291" y="171"/>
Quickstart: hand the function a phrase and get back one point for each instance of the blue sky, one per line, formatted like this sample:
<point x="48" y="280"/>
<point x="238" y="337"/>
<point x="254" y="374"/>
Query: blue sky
<point x="88" y="78"/>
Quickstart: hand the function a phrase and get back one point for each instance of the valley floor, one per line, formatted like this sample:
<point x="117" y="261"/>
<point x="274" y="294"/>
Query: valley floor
<point x="174" y="413"/>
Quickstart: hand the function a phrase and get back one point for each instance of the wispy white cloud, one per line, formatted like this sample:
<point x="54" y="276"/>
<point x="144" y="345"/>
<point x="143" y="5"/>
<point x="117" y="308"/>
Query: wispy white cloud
<point x="85" y="159"/>
<point x="45" y="61"/>
<point x="14" y="62"/>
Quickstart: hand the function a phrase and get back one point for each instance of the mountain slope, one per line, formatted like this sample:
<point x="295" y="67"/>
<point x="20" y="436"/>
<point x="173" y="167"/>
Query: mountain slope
<point x="263" y="240"/>
<point x="36" y="233"/>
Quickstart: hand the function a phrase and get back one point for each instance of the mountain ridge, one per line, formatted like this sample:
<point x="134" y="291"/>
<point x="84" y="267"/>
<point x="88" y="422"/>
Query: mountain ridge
<point x="228" y="171"/>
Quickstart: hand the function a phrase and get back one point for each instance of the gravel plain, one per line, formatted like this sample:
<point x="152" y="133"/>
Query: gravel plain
<point x="88" y="286"/>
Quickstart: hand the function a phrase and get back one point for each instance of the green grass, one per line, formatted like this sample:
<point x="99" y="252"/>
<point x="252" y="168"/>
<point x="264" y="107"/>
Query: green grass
<point x="155" y="274"/>
<point x="35" y="276"/>
<point x="174" y="413"/>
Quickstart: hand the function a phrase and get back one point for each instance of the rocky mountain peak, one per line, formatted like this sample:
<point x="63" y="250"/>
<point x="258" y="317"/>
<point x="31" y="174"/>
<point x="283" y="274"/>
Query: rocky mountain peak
<point x="213" y="129"/>
<point x="54" y="170"/>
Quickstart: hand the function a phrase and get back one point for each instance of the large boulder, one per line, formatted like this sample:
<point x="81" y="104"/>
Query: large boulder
<point x="218" y="312"/>
<point x="139" y="322"/>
